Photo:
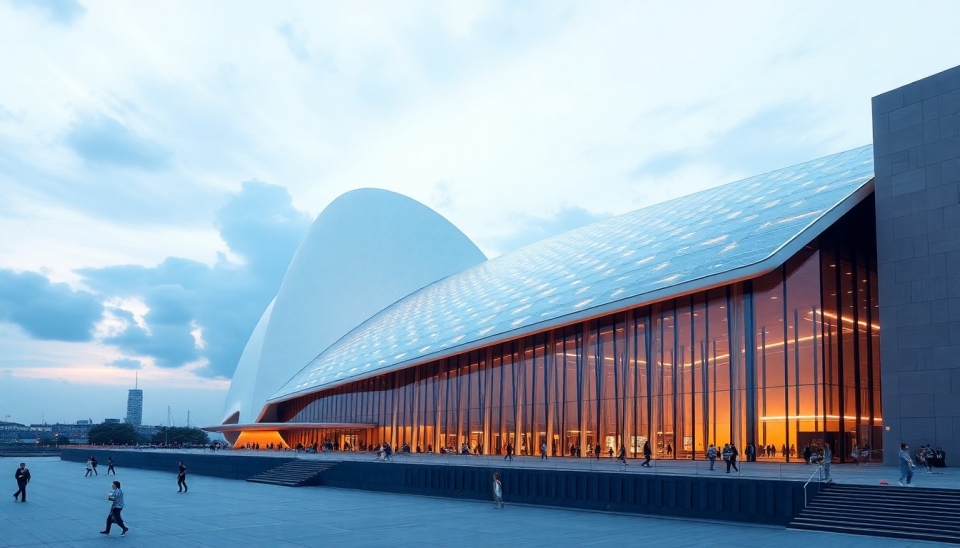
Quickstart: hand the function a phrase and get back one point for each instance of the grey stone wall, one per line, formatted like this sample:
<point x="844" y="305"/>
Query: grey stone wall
<point x="718" y="498"/>
<point x="916" y="139"/>
<point x="220" y="465"/>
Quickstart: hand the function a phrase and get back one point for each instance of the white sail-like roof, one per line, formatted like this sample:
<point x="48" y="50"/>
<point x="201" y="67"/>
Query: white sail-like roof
<point x="713" y="237"/>
<point x="365" y="251"/>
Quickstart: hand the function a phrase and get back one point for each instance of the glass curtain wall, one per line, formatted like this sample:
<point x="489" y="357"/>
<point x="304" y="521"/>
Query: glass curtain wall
<point x="784" y="361"/>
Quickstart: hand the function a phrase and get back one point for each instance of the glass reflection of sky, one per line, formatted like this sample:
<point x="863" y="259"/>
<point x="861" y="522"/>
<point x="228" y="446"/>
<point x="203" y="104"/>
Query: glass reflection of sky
<point x="651" y="249"/>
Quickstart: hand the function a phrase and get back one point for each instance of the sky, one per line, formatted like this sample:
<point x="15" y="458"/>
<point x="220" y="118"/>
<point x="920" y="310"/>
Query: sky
<point x="161" y="160"/>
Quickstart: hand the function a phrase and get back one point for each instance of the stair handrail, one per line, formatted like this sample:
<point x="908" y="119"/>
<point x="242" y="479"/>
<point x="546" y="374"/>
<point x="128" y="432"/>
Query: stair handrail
<point x="819" y="480"/>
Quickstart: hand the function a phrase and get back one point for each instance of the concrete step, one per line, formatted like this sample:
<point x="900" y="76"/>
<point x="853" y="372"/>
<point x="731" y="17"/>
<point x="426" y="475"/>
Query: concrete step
<point x="887" y="511"/>
<point x="877" y="532"/>
<point x="940" y="525"/>
<point x="294" y="474"/>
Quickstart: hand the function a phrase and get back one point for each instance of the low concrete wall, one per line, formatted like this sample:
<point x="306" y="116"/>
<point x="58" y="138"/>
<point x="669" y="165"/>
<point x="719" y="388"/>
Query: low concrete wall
<point x="729" y="499"/>
<point x="15" y="451"/>
<point x="743" y="500"/>
<point x="204" y="464"/>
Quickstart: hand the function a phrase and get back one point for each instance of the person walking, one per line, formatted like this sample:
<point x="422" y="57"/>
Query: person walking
<point x="110" y="467"/>
<point x="622" y="455"/>
<point x="89" y="467"/>
<point x="906" y="465"/>
<point x="827" y="461"/>
<point x="597" y="450"/>
<point x="543" y="450"/>
<point x="712" y="455"/>
<point x="114" y="516"/>
<point x="93" y="461"/>
<point x="22" y="476"/>
<point x="509" y="456"/>
<point x="734" y="453"/>
<point x="497" y="491"/>
<point x="182" y="479"/>
<point x="647" y="454"/>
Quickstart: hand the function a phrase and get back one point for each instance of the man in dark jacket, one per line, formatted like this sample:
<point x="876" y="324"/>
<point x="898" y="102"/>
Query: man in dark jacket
<point x="23" y="478"/>
<point x="182" y="478"/>
<point x="647" y="454"/>
<point x="732" y="461"/>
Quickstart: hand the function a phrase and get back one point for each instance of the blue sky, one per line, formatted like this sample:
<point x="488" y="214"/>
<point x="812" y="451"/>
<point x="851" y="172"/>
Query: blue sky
<point x="160" y="161"/>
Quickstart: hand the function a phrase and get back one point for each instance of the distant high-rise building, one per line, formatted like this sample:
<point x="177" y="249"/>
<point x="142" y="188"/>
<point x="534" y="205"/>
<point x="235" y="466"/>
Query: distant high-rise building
<point x="134" y="407"/>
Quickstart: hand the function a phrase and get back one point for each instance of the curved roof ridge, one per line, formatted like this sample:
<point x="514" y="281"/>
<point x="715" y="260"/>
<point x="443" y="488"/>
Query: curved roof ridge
<point x="708" y="238"/>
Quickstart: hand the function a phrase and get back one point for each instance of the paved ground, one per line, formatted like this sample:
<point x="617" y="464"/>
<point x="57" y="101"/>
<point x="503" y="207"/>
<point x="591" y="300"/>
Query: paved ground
<point x="65" y="508"/>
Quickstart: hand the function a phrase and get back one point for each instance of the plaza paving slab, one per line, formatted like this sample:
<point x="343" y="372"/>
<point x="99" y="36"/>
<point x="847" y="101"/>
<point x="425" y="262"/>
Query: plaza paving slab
<point x="66" y="509"/>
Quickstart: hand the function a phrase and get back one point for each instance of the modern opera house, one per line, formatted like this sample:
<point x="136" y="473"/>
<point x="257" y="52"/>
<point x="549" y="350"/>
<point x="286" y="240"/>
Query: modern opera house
<point x="750" y="312"/>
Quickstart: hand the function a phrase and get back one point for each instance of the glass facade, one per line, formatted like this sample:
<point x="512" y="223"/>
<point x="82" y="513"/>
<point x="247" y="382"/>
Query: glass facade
<point x="785" y="360"/>
<point x="624" y="259"/>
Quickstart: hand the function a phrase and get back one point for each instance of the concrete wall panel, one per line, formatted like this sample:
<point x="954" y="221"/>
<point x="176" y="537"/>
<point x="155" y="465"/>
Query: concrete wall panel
<point x="917" y="168"/>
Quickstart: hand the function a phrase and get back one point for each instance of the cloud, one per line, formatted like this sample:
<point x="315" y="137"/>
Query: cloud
<point x="126" y="363"/>
<point x="167" y="343"/>
<point x="777" y="136"/>
<point x="62" y="12"/>
<point x="773" y="137"/>
<point x="663" y="163"/>
<point x="533" y="229"/>
<point x="180" y="311"/>
<point x="223" y="301"/>
<point x="261" y="224"/>
<point x="104" y="140"/>
<point x="295" y="41"/>
<point x="7" y="116"/>
<point x="45" y="310"/>
<point x="442" y="196"/>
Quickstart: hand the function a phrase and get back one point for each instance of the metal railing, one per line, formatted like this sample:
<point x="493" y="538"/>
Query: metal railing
<point x="819" y="473"/>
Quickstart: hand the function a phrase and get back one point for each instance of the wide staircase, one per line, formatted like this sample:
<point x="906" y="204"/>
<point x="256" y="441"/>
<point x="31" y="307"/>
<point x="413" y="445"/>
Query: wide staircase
<point x="298" y="473"/>
<point x="884" y="511"/>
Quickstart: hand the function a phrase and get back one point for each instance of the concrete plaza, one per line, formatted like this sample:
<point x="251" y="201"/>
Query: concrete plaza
<point x="65" y="508"/>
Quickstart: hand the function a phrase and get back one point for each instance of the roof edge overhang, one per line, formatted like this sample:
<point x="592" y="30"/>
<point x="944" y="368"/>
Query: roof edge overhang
<point x="274" y="426"/>
<point x="759" y="268"/>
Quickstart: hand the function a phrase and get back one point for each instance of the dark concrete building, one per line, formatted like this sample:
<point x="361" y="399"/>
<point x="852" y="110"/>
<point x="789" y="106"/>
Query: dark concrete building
<point x="916" y="136"/>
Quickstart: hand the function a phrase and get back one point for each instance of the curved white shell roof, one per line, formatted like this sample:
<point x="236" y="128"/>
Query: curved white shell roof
<point x="366" y="250"/>
<point x="713" y="237"/>
<point x="242" y="387"/>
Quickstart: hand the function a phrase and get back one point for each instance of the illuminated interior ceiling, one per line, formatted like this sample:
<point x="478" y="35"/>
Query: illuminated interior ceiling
<point x="716" y="236"/>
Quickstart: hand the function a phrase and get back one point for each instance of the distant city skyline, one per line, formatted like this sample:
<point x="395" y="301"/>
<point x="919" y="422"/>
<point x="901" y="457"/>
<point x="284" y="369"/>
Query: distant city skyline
<point x="108" y="409"/>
